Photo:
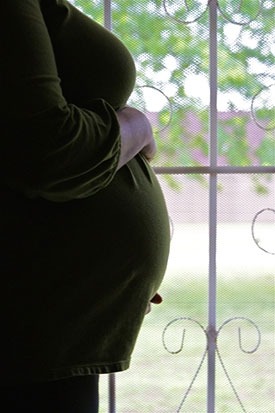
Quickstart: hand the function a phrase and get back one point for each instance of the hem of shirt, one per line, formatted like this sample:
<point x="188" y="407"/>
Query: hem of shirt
<point x="63" y="373"/>
<point x="88" y="370"/>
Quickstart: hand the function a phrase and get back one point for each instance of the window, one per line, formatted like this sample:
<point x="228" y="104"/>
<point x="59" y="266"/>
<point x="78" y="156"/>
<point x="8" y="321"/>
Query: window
<point x="206" y="81"/>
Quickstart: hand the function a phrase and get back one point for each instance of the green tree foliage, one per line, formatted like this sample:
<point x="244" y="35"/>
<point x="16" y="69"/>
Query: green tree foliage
<point x="169" y="40"/>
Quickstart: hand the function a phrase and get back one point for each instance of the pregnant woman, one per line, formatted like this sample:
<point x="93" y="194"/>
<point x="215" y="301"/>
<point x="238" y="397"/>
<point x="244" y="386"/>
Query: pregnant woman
<point x="84" y="227"/>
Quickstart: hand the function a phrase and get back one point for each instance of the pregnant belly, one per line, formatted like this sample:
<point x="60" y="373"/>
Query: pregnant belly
<point x="81" y="273"/>
<point x="128" y="222"/>
<point x="122" y="230"/>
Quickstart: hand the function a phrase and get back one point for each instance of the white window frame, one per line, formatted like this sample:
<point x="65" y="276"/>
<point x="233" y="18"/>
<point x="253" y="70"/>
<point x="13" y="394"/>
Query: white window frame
<point x="213" y="171"/>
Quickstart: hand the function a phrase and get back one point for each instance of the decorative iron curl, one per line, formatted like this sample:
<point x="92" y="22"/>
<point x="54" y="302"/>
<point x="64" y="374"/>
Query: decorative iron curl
<point x="185" y="21"/>
<point x="255" y="348"/>
<point x="183" y="333"/>
<point x="172" y="227"/>
<point x="245" y="21"/>
<point x="239" y="333"/>
<point x="217" y="333"/>
<point x="253" y="229"/>
<point x="181" y="348"/>
<point x="253" y="110"/>
<point x="167" y="99"/>
<point x="242" y="21"/>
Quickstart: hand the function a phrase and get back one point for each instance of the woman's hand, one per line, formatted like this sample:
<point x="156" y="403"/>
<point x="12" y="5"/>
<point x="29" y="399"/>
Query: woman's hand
<point x="157" y="299"/>
<point x="136" y="135"/>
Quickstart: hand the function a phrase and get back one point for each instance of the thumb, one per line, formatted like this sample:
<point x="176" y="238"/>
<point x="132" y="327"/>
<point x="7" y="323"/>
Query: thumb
<point x="157" y="299"/>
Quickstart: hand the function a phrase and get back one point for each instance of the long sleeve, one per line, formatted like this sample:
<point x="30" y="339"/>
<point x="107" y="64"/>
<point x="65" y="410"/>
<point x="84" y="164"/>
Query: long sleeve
<point x="48" y="147"/>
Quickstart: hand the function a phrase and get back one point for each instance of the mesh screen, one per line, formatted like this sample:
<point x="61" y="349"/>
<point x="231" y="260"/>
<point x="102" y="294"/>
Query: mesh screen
<point x="170" y="43"/>
<point x="245" y="297"/>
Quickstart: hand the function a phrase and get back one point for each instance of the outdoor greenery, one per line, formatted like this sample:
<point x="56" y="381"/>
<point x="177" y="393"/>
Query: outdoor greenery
<point x="169" y="40"/>
<point x="157" y="380"/>
<point x="170" y="43"/>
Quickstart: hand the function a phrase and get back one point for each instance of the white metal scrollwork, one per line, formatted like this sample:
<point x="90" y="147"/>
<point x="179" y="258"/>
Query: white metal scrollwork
<point x="207" y="334"/>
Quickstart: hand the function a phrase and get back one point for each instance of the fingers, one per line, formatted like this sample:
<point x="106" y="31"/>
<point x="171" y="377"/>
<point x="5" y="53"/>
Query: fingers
<point x="136" y="135"/>
<point x="148" y="308"/>
<point x="150" y="150"/>
<point x="157" y="299"/>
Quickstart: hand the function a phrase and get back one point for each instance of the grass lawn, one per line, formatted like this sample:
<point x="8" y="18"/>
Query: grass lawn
<point x="157" y="380"/>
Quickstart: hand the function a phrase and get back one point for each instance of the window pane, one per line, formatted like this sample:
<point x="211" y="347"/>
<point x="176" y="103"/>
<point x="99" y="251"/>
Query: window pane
<point x="158" y="380"/>
<point x="246" y="268"/>
<point x="172" y="80"/>
<point x="246" y="102"/>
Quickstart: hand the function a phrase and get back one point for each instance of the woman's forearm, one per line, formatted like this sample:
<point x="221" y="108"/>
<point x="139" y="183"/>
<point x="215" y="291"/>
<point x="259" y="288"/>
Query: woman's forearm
<point x="62" y="151"/>
<point x="136" y="135"/>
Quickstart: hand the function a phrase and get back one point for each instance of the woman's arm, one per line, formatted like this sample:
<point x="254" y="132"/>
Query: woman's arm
<point x="48" y="147"/>
<point x="136" y="135"/>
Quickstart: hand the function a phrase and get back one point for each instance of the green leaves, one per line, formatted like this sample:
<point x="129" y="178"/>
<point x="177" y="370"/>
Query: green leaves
<point x="266" y="150"/>
<point x="245" y="67"/>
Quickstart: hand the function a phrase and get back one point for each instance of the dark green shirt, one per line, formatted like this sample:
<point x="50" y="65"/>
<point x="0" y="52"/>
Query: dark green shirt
<point x="59" y="133"/>
<point x="77" y="275"/>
